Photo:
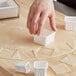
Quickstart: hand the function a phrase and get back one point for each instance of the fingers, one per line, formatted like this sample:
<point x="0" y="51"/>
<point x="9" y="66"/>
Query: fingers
<point x="34" y="22"/>
<point x="33" y="17"/>
<point x="41" y="22"/>
<point x="29" y="17"/>
<point x="29" y="20"/>
<point x="36" y="16"/>
<point x="52" y="21"/>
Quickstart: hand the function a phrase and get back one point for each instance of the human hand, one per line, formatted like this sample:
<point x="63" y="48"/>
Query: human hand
<point x="40" y="10"/>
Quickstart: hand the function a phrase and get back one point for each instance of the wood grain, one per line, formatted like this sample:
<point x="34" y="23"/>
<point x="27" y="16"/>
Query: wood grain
<point x="15" y="37"/>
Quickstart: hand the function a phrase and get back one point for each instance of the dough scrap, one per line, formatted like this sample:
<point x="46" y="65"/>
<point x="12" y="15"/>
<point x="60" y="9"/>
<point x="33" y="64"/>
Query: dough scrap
<point x="60" y="68"/>
<point x="70" y="59"/>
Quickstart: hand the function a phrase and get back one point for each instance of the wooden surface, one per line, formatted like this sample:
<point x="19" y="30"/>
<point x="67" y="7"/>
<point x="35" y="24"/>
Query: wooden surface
<point x="4" y="72"/>
<point x="16" y="45"/>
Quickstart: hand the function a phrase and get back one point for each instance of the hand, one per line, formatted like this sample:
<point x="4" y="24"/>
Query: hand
<point x="40" y="10"/>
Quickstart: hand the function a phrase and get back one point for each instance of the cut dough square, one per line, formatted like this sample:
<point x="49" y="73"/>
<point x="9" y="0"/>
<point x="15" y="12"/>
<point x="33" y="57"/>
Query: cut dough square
<point x="45" y="52"/>
<point x="61" y="50"/>
<point x="45" y="38"/>
<point x="56" y="52"/>
<point x="64" y="37"/>
<point x="18" y="55"/>
<point x="28" y="53"/>
<point x="60" y="68"/>
<point x="70" y="59"/>
<point x="6" y="53"/>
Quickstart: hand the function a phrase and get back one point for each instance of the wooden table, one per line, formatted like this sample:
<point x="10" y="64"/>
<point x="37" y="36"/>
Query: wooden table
<point x="17" y="44"/>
